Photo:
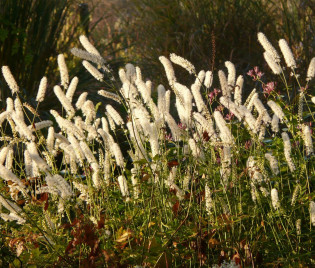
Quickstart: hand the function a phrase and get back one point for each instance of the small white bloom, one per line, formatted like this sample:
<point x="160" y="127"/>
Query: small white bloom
<point x="72" y="88"/>
<point x="312" y="212"/>
<point x="41" y="89"/>
<point x="63" y="70"/>
<point x="88" y="46"/>
<point x="10" y="79"/>
<point x="274" y="66"/>
<point x="287" y="53"/>
<point x="268" y="47"/>
<point x="170" y="74"/>
<point x="287" y="151"/>
<point x="183" y="63"/>
<point x="64" y="101"/>
<point x="231" y="73"/>
<point x="311" y="71"/>
<point x="93" y="71"/>
<point x="123" y="186"/>
<point x="275" y="199"/>
<point x="208" y="79"/>
<point x="307" y="137"/>
<point x="238" y="90"/>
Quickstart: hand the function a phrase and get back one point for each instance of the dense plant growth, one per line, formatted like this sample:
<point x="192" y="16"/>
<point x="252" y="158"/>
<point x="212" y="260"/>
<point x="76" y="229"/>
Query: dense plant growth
<point x="127" y="184"/>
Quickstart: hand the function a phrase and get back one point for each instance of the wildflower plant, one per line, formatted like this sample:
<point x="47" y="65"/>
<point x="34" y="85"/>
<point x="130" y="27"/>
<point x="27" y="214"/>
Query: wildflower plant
<point x="232" y="179"/>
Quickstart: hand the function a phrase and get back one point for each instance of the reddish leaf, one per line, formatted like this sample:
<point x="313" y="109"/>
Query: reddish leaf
<point x="172" y="163"/>
<point x="237" y="259"/>
<point x="46" y="205"/>
<point x="206" y="136"/>
<point x="43" y="197"/>
<point x="176" y="208"/>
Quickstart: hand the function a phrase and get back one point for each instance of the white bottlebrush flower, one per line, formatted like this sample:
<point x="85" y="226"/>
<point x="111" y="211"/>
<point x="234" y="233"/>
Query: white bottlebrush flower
<point x="81" y="100"/>
<point x="28" y="164"/>
<point x="231" y="74"/>
<point x="238" y="90"/>
<point x="195" y="150"/>
<point x="287" y="150"/>
<point x="18" y="109"/>
<point x="118" y="155"/>
<point x="22" y="128"/>
<point x="109" y="95"/>
<point x="274" y="66"/>
<point x="50" y="140"/>
<point x="183" y="63"/>
<point x="41" y="89"/>
<point x="273" y="163"/>
<point x="138" y="74"/>
<point x="183" y="102"/>
<point x="12" y="217"/>
<point x="9" y="159"/>
<point x="250" y="97"/>
<point x="88" y="56"/>
<point x="225" y="133"/>
<point x="84" y="191"/>
<point x="72" y="88"/>
<point x="232" y="107"/>
<point x="88" y="46"/>
<point x="208" y="79"/>
<point x="276" y="109"/>
<point x="63" y="70"/>
<point x="198" y="98"/>
<point x="41" y="163"/>
<point x="287" y="53"/>
<point x="87" y="152"/>
<point x="170" y="74"/>
<point x="262" y="110"/>
<point x="131" y="72"/>
<point x="3" y="116"/>
<point x="208" y="199"/>
<point x="154" y="140"/>
<point x="61" y="184"/>
<point x="311" y="71"/>
<point x="161" y="99"/>
<point x="67" y="125"/>
<point x="96" y="175"/>
<point x="40" y="125"/>
<point x="12" y="207"/>
<point x="64" y="101"/>
<point x="168" y="101"/>
<point x="77" y="148"/>
<point x="224" y="84"/>
<point x="275" y="199"/>
<point x="312" y="212"/>
<point x="123" y="186"/>
<point x="135" y="184"/>
<point x="206" y="125"/>
<point x="105" y="124"/>
<point x="10" y="79"/>
<point x="10" y="105"/>
<point x="115" y="115"/>
<point x="93" y="71"/>
<point x="3" y="154"/>
<point x="268" y="47"/>
<point x="307" y="137"/>
<point x="295" y="194"/>
<point x="275" y="123"/>
<point x="7" y="175"/>
<point x="89" y="112"/>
